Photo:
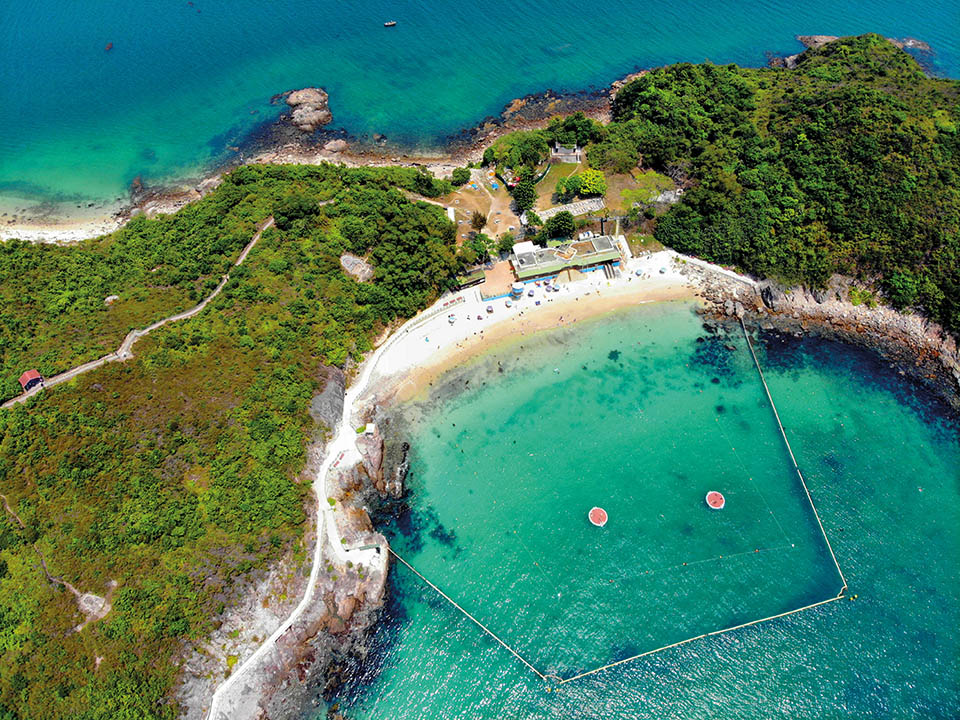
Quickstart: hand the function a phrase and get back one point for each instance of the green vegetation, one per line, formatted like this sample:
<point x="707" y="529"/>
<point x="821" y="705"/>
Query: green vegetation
<point x="520" y="151"/>
<point x="848" y="164"/>
<point x="478" y="248"/>
<point x="523" y="151"/>
<point x="478" y="220"/>
<point x="176" y="473"/>
<point x="586" y="183"/>
<point x="524" y="195"/>
<point x="460" y="176"/>
<point x="52" y="310"/>
<point x="859" y="296"/>
<point x="646" y="186"/>
<point x="560" y="225"/>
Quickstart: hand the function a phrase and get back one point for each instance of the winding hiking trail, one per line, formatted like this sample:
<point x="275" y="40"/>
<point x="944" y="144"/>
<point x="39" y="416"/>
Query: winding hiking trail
<point x="125" y="351"/>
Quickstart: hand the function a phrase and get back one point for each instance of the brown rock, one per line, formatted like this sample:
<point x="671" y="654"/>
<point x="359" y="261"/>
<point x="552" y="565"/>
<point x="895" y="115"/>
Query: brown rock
<point x="310" y="108"/>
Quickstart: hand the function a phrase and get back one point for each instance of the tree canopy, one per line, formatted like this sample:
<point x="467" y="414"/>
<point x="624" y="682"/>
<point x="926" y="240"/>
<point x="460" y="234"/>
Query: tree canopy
<point x="847" y="164"/>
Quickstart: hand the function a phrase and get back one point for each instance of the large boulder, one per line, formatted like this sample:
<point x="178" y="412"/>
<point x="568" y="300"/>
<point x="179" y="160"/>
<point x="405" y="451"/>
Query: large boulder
<point x="773" y="296"/>
<point x="310" y="108"/>
<point x="327" y="406"/>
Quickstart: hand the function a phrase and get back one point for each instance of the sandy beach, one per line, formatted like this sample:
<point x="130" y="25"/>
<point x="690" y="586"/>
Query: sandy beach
<point x="430" y="345"/>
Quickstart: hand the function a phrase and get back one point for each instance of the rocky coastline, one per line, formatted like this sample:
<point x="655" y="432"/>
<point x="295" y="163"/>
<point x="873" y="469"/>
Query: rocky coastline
<point x="918" y="348"/>
<point x="311" y="659"/>
<point x="323" y="648"/>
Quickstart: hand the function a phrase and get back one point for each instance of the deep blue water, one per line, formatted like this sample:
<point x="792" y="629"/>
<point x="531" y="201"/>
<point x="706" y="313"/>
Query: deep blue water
<point x="186" y="80"/>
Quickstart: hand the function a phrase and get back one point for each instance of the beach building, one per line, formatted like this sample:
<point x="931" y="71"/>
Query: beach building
<point x="531" y="261"/>
<point x="474" y="277"/>
<point x="564" y="154"/>
<point x="30" y="378"/>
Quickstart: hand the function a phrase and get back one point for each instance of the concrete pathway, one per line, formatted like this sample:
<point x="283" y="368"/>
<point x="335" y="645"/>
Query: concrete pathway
<point x="341" y="450"/>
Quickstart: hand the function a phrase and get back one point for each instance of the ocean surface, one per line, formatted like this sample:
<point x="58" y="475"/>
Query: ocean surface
<point x="185" y="81"/>
<point x="642" y="412"/>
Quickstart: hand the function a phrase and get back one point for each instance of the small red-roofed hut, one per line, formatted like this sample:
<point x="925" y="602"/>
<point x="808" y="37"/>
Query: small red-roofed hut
<point x="29" y="379"/>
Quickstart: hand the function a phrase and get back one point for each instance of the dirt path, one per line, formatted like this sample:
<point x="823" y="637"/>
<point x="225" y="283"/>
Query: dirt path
<point x="92" y="606"/>
<point x="125" y="351"/>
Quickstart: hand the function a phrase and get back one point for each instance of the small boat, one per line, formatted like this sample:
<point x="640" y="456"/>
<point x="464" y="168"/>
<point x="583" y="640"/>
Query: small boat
<point x="390" y="24"/>
<point x="109" y="47"/>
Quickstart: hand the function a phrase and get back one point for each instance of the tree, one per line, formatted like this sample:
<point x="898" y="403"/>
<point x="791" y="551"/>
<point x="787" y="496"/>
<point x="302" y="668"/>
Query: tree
<point x="592" y="182"/>
<point x="576" y="129"/>
<point x="478" y="220"/>
<point x="560" y="225"/>
<point x="524" y="195"/>
<point x="568" y="188"/>
<point x="505" y="244"/>
<point x="295" y="206"/>
<point x="524" y="147"/>
<point x="461" y="176"/>
<point x="533" y="220"/>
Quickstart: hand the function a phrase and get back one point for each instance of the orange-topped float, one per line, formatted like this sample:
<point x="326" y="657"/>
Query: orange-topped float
<point x="598" y="516"/>
<point x="715" y="500"/>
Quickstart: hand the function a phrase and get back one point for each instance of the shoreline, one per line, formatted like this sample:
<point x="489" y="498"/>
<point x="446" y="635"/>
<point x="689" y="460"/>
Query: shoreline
<point x="279" y="141"/>
<point x="427" y="352"/>
<point x="353" y="471"/>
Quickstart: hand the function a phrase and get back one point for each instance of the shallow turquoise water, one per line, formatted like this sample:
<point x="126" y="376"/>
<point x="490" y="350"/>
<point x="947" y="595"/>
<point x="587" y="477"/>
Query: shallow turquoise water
<point x="186" y="80"/>
<point x="642" y="418"/>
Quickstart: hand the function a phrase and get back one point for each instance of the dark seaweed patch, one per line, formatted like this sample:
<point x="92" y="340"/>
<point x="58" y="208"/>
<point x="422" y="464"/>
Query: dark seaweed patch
<point x="832" y="462"/>
<point x="713" y="357"/>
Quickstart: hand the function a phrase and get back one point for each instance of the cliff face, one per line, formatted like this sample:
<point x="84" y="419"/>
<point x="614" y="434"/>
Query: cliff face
<point x="919" y="348"/>
<point x="307" y="660"/>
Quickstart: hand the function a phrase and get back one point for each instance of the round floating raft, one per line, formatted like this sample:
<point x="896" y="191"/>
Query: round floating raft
<point x="598" y="516"/>
<point x="715" y="501"/>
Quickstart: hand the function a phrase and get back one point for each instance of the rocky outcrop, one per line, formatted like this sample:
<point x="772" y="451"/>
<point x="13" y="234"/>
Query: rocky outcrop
<point x="336" y="146"/>
<point x="814" y="42"/>
<point x="617" y="85"/>
<point x="818" y="41"/>
<point x="310" y="108"/>
<point x="326" y="408"/>
<point x="330" y="636"/>
<point x="356" y="267"/>
<point x="918" y="347"/>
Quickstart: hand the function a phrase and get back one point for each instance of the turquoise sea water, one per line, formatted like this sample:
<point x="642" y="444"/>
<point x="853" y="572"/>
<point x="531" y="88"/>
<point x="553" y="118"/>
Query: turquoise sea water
<point x="642" y="412"/>
<point x="186" y="80"/>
